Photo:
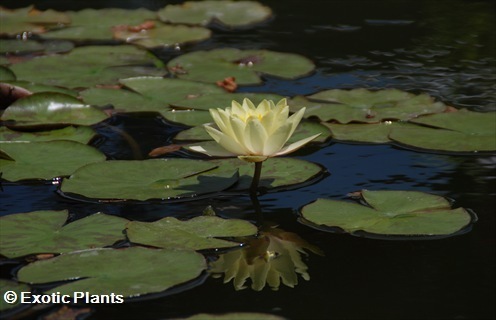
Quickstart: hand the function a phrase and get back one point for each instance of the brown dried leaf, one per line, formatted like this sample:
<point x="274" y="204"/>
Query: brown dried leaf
<point x="229" y="84"/>
<point x="164" y="150"/>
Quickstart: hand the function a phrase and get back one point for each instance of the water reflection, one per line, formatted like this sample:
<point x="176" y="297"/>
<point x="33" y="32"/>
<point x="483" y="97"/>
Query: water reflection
<point x="274" y="256"/>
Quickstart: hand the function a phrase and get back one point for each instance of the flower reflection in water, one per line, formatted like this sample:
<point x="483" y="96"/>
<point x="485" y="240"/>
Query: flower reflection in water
<point x="274" y="256"/>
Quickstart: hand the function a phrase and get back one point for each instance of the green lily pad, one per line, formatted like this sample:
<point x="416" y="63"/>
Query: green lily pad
<point x="149" y="179"/>
<point x="95" y="24"/>
<point x="363" y="133"/>
<point x="399" y="213"/>
<point x="305" y="129"/>
<point x="78" y="134"/>
<point x="6" y="74"/>
<point x="92" y="64"/>
<point x="244" y="65"/>
<point x="163" y="35"/>
<point x="47" y="232"/>
<point x="223" y="100"/>
<point x="362" y="105"/>
<point x="462" y="131"/>
<point x="122" y="100"/>
<point x="234" y="316"/>
<point x="18" y="46"/>
<point x="280" y="173"/>
<point x="130" y="272"/>
<point x="29" y="19"/>
<point x="48" y="108"/>
<point x="44" y="160"/>
<point x="229" y="13"/>
<point x="197" y="233"/>
<point x="36" y="87"/>
<point x="8" y="286"/>
<point x="188" y="117"/>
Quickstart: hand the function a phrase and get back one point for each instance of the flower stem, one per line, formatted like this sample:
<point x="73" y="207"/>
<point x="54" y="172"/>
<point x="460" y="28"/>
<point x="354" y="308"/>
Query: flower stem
<point x="256" y="178"/>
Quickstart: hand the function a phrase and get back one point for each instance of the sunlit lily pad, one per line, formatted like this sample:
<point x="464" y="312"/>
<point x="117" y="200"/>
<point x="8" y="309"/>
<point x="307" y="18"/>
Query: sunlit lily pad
<point x="44" y="160"/>
<point x="49" y="108"/>
<point x="47" y="232"/>
<point x="277" y="173"/>
<point x="129" y="272"/>
<point x="163" y="35"/>
<point x="96" y="24"/>
<point x="31" y="20"/>
<point x="229" y="13"/>
<point x="362" y="105"/>
<point x="92" y="64"/>
<point x="18" y="46"/>
<point x="462" y="131"/>
<point x="244" y="65"/>
<point x="397" y="213"/>
<point x="7" y="286"/>
<point x="197" y="233"/>
<point x="78" y="134"/>
<point x="149" y="179"/>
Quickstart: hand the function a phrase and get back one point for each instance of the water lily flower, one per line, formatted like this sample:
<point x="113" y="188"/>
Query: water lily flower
<point x="253" y="133"/>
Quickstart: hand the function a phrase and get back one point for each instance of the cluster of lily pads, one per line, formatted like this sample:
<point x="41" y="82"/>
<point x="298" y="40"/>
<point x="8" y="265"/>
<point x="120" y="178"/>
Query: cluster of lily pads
<point x="55" y="93"/>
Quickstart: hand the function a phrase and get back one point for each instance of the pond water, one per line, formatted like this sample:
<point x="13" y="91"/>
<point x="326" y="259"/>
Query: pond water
<point x="443" y="48"/>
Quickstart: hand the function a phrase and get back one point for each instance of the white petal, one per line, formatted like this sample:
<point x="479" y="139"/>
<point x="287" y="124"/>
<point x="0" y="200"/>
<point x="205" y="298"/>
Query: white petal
<point x="296" y="145"/>
<point x="277" y="139"/>
<point x="239" y="133"/>
<point x="226" y="141"/>
<point x="257" y="135"/>
<point x="213" y="150"/>
<point x="296" y="118"/>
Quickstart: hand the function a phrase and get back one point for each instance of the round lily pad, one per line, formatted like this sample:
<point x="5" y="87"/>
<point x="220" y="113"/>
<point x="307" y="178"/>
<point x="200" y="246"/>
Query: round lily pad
<point x="6" y="74"/>
<point x="229" y="13"/>
<point x="122" y="100"/>
<point x="163" y="179"/>
<point x="362" y="105"/>
<point x="29" y="19"/>
<point x="48" y="108"/>
<point x="130" y="272"/>
<point x="19" y="46"/>
<point x="47" y="232"/>
<point x="364" y="133"/>
<point x="44" y="160"/>
<point x="244" y="65"/>
<point x="197" y="233"/>
<point x="36" y="87"/>
<point x="188" y="117"/>
<point x="389" y="213"/>
<point x="223" y="100"/>
<point x="8" y="286"/>
<point x="92" y="64"/>
<point x="78" y="134"/>
<point x="83" y="26"/>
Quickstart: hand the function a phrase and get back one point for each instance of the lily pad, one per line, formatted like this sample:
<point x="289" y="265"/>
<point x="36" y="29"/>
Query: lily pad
<point x="122" y="100"/>
<point x="36" y="87"/>
<point x="229" y="13"/>
<point x="362" y="105"/>
<point x="149" y="179"/>
<point x="78" y="134"/>
<point x="9" y="286"/>
<point x="222" y="100"/>
<point x="47" y="232"/>
<point x="364" y="133"/>
<point x="92" y="64"/>
<point x="162" y="35"/>
<point x="48" y="108"/>
<point x="29" y="19"/>
<point x="397" y="213"/>
<point x="93" y="24"/>
<point x="188" y="117"/>
<point x="19" y="46"/>
<point x="280" y="173"/>
<point x="244" y="65"/>
<point x="462" y="131"/>
<point x="130" y="272"/>
<point x="197" y="233"/>
<point x="44" y="160"/>
<point x="6" y="74"/>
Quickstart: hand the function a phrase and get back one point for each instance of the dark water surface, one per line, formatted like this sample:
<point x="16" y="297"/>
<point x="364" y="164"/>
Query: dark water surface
<point x="444" y="48"/>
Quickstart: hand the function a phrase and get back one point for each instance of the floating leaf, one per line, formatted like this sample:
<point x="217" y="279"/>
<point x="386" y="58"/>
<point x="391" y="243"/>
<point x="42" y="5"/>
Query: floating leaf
<point x="368" y="133"/>
<point x="405" y="213"/>
<point x="49" y="108"/>
<point x="223" y="100"/>
<point x="44" y="160"/>
<point x="19" y="46"/>
<point x="188" y="117"/>
<point x="462" y="131"/>
<point x="229" y="13"/>
<point x="149" y="179"/>
<point x="36" y="87"/>
<point x="276" y="172"/>
<point x="197" y="233"/>
<point x="129" y="272"/>
<point x="362" y="105"/>
<point x="29" y="19"/>
<point x="162" y="35"/>
<point x="78" y="134"/>
<point x="92" y="64"/>
<point x="122" y="100"/>
<point x="93" y="24"/>
<point x="6" y="74"/>
<point x="245" y="66"/>
<point x="47" y="232"/>
<point x="9" y="286"/>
